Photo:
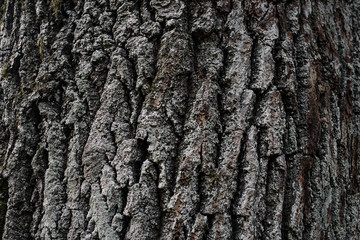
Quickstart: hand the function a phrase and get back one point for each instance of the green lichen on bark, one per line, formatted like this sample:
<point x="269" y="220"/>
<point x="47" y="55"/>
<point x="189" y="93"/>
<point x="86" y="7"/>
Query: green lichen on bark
<point x="56" y="8"/>
<point x="41" y="45"/>
<point x="2" y="9"/>
<point x="6" y="70"/>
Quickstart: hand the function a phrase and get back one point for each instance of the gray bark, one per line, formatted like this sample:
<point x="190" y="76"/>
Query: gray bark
<point x="174" y="119"/>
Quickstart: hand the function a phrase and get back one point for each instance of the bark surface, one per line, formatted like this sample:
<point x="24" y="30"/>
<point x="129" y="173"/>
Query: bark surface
<point x="174" y="119"/>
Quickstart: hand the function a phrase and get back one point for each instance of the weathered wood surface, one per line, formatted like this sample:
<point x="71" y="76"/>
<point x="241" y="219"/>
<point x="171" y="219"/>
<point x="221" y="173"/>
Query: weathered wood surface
<point x="174" y="119"/>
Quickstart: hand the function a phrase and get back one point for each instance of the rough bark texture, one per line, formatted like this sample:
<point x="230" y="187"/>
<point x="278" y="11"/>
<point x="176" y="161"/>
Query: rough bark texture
<point x="174" y="119"/>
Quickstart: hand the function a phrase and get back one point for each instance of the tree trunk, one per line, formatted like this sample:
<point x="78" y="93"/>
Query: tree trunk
<point x="174" y="119"/>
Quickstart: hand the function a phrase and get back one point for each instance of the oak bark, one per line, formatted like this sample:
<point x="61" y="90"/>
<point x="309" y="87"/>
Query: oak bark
<point x="174" y="119"/>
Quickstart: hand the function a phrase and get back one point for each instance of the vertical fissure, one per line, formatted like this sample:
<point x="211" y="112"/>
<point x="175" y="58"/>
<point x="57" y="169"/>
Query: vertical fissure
<point x="4" y="196"/>
<point x="126" y="219"/>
